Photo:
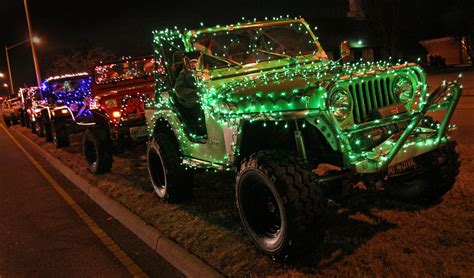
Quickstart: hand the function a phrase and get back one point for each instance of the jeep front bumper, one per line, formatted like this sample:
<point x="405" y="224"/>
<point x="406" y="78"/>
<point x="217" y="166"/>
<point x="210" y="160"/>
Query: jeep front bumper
<point x="415" y="139"/>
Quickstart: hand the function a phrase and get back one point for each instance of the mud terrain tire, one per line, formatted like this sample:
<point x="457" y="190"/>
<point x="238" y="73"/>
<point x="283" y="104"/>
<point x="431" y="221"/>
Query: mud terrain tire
<point x="7" y="121"/>
<point x="60" y="135"/>
<point x="171" y="181"/>
<point x="39" y="127"/>
<point x="47" y="130"/>
<point x="431" y="185"/>
<point x="97" y="149"/>
<point x="281" y="204"/>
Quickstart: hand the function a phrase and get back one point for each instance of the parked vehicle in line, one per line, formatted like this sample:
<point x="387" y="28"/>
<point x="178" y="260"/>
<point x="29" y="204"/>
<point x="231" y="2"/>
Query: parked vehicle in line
<point x="119" y="92"/>
<point x="11" y="111"/>
<point x="272" y="107"/>
<point x="27" y="95"/>
<point x="63" y="104"/>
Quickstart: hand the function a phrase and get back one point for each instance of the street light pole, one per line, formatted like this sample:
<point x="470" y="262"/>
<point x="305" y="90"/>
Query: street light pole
<point x="12" y="91"/>
<point x="35" y="40"/>
<point x="33" y="51"/>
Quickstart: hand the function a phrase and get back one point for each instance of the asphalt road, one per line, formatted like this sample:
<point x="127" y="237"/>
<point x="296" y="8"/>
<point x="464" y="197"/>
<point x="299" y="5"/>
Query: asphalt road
<point x="464" y="115"/>
<point x="42" y="236"/>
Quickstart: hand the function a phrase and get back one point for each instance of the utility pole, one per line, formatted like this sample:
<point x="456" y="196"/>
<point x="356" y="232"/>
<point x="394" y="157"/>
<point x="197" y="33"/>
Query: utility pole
<point x="35" y="59"/>
<point x="12" y="91"/>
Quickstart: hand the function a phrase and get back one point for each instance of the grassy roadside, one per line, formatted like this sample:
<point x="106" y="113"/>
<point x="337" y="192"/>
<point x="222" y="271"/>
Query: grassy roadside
<point x="374" y="236"/>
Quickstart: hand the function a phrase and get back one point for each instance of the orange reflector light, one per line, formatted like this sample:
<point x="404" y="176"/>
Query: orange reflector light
<point x="116" y="114"/>
<point x="64" y="111"/>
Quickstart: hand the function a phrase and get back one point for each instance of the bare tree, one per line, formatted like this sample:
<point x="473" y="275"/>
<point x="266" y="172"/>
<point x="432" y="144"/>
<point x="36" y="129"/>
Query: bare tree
<point x="80" y="60"/>
<point x="383" y="18"/>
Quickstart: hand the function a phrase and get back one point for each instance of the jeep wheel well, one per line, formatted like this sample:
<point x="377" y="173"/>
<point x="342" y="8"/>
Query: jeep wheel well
<point x="271" y="135"/>
<point x="162" y="125"/>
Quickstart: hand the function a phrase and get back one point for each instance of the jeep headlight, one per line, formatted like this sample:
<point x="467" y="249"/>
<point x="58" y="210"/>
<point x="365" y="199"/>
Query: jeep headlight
<point x="340" y="104"/>
<point x="403" y="89"/>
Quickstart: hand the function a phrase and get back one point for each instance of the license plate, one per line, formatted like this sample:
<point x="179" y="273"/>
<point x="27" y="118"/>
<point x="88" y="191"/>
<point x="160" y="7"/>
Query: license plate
<point x="138" y="132"/>
<point x="401" y="167"/>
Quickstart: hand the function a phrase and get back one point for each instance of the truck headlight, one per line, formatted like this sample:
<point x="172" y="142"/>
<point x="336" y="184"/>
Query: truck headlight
<point x="340" y="104"/>
<point x="403" y="89"/>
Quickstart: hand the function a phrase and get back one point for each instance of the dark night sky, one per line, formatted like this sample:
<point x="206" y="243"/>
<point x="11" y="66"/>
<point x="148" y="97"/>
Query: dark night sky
<point x="125" y="27"/>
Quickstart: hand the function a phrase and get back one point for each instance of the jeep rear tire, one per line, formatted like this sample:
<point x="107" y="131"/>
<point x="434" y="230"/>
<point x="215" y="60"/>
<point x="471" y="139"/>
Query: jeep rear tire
<point x="60" y="135"/>
<point x="281" y="204"/>
<point x="170" y="180"/>
<point x="432" y="184"/>
<point x="97" y="150"/>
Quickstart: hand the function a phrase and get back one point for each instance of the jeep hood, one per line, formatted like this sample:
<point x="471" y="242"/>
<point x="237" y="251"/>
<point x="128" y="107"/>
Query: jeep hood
<point x="299" y="87"/>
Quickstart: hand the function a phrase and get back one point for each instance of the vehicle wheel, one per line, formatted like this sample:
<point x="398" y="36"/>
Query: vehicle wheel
<point x="14" y="120"/>
<point x="60" y="135"/>
<point x="97" y="149"/>
<point x="280" y="203"/>
<point x="39" y="128"/>
<point x="47" y="130"/>
<point x="169" y="178"/>
<point x="23" y="119"/>
<point x="432" y="184"/>
<point x="27" y="121"/>
<point x="7" y="121"/>
<point x="33" y="127"/>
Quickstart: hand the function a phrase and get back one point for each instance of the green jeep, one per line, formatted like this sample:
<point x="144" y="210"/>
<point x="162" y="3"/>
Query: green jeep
<point x="272" y="107"/>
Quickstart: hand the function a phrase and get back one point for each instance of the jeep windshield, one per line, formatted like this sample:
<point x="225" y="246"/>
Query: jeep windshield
<point x="124" y="70"/>
<point x="248" y="45"/>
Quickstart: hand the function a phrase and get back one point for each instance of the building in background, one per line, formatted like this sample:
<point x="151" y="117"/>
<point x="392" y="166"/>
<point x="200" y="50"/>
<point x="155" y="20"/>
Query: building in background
<point x="450" y="50"/>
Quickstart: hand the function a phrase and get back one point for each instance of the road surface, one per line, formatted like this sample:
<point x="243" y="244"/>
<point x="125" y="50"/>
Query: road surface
<point x="42" y="234"/>
<point x="464" y="115"/>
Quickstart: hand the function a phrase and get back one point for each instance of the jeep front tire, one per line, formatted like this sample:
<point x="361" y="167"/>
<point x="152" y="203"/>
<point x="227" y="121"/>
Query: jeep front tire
<point x="280" y="203"/>
<point x="429" y="186"/>
<point x="6" y="120"/>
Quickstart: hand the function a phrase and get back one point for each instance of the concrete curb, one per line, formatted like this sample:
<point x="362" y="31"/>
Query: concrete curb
<point x="187" y="263"/>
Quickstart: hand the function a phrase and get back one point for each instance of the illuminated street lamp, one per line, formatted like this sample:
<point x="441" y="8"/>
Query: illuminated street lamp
<point x="2" y="75"/>
<point x="5" y="85"/>
<point x="35" y="40"/>
<point x="32" y="40"/>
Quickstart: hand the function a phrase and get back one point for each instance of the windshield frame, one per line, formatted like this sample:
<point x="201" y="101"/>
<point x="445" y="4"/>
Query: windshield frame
<point x="122" y="61"/>
<point x="191" y="37"/>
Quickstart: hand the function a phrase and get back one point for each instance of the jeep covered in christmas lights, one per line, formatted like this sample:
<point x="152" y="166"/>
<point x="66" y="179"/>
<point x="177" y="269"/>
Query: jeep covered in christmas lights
<point x="27" y="96"/>
<point x="117" y="105"/>
<point x="11" y="111"/>
<point x="63" y="104"/>
<point x="273" y="107"/>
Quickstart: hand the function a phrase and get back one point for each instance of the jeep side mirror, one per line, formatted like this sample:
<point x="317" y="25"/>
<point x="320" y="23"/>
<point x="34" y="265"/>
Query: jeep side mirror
<point x="345" y="50"/>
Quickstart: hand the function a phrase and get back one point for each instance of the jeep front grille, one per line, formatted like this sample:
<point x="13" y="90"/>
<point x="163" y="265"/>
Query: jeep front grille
<point x="370" y="94"/>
